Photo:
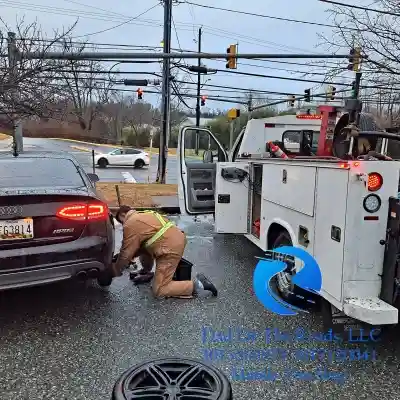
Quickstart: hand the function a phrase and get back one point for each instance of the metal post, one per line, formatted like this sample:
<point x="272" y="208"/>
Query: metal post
<point x="150" y="154"/>
<point x="196" y="145"/>
<point x="12" y="64"/>
<point x="198" y="84"/>
<point x="231" y="134"/>
<point x="166" y="94"/>
<point x="93" y="162"/>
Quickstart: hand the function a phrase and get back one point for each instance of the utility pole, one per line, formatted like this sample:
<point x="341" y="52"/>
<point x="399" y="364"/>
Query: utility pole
<point x="166" y="94"/>
<point x="198" y="83"/>
<point x="196" y="145"/>
<point x="12" y="65"/>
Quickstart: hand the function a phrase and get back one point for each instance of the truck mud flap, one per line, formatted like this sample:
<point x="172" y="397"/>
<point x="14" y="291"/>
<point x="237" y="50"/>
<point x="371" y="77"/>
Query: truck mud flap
<point x="390" y="271"/>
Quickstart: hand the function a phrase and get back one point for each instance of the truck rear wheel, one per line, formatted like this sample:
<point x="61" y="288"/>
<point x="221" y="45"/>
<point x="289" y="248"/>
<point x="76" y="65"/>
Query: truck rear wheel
<point x="290" y="292"/>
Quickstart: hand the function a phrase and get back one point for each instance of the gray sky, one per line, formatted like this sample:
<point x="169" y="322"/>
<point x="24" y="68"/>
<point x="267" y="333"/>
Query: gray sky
<point x="220" y="29"/>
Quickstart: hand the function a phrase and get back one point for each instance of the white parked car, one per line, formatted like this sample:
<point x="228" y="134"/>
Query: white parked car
<point x="123" y="157"/>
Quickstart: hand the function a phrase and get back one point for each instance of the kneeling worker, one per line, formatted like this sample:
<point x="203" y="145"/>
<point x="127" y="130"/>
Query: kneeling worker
<point x="166" y="243"/>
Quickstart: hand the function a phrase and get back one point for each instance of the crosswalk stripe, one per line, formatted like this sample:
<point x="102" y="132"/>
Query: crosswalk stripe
<point x="128" y="178"/>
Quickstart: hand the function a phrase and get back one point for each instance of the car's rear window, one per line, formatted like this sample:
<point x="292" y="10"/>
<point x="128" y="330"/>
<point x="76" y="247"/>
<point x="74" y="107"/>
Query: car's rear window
<point x="39" y="172"/>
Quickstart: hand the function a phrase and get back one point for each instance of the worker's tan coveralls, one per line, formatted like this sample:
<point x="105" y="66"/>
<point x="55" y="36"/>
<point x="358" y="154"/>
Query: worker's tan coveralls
<point x="167" y="251"/>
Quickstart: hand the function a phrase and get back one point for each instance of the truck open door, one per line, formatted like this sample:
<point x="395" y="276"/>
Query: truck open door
<point x="203" y="190"/>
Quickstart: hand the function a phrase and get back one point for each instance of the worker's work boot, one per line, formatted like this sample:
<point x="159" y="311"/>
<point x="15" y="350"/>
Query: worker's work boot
<point x="141" y="277"/>
<point x="201" y="282"/>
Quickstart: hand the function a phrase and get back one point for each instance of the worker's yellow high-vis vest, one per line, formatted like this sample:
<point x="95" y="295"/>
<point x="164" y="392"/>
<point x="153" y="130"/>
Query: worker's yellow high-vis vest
<point x="164" y="227"/>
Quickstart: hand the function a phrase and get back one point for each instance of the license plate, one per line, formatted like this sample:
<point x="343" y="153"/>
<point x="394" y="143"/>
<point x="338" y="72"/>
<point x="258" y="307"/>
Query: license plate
<point x="16" y="229"/>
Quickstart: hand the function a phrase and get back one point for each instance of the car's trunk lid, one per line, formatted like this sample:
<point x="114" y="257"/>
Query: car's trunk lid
<point x="31" y="216"/>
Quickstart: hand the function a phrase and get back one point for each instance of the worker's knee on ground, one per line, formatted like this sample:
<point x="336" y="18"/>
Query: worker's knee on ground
<point x="158" y="290"/>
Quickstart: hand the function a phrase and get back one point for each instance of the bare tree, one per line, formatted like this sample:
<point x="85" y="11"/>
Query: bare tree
<point x="85" y="84"/>
<point x="24" y="87"/>
<point x="378" y="36"/>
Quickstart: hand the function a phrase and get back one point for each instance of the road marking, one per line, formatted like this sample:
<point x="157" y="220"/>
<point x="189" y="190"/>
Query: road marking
<point x="128" y="178"/>
<point x="200" y="237"/>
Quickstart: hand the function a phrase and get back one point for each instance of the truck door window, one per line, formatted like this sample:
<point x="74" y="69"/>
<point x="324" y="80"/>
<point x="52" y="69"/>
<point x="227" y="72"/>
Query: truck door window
<point x="205" y="143"/>
<point x="291" y="141"/>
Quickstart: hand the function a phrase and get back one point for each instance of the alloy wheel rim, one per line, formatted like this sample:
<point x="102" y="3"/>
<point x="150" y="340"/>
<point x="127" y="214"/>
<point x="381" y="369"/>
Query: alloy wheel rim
<point x="172" y="380"/>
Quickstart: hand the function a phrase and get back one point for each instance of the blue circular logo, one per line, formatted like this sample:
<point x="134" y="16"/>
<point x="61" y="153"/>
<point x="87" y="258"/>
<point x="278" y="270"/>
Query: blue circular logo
<point x="308" y="278"/>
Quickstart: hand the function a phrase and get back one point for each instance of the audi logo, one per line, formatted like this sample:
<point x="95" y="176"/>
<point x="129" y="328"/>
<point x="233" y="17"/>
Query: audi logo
<point x="11" y="211"/>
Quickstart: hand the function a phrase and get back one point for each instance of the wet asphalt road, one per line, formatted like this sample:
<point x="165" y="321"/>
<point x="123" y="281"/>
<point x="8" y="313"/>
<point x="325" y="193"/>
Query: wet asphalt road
<point x="109" y="174"/>
<point x="72" y="340"/>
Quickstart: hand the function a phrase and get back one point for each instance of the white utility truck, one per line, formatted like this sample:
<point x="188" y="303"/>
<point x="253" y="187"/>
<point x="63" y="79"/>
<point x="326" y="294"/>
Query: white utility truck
<point x="344" y="212"/>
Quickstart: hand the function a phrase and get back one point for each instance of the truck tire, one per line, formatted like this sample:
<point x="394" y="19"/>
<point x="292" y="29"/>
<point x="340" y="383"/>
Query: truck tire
<point x="290" y="292"/>
<point x="102" y="163"/>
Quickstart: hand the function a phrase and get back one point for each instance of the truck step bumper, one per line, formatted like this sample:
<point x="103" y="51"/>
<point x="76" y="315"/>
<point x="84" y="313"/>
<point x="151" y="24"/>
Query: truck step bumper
<point x="370" y="310"/>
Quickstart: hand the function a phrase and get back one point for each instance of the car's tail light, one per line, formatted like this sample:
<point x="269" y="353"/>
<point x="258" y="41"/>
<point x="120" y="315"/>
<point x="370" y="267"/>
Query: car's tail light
<point x="84" y="212"/>
<point x="97" y="211"/>
<point x="375" y="181"/>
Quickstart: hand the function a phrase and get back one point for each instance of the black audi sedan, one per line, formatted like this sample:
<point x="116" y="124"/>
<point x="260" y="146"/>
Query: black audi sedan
<point x="54" y="225"/>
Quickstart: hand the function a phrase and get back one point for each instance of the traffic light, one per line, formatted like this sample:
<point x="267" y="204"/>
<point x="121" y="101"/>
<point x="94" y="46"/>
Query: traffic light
<point x="140" y="94"/>
<point x="232" y="62"/>
<point x="233" y="113"/>
<point x="203" y="100"/>
<point x="307" y="95"/>
<point x="354" y="59"/>
<point x="292" y="99"/>
<point x="333" y="92"/>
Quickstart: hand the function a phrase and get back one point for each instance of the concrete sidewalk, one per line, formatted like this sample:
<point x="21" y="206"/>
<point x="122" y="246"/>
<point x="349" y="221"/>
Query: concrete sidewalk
<point x="5" y="144"/>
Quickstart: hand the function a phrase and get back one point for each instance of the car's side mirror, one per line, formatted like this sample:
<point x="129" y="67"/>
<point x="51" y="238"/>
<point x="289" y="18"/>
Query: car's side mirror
<point x="93" y="177"/>
<point x="208" y="156"/>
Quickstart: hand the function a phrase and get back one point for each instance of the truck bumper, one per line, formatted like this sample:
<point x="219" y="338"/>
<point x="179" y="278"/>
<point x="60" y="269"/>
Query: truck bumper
<point x="370" y="310"/>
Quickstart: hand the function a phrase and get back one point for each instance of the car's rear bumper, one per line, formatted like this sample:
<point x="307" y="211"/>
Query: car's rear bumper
<point x="41" y="276"/>
<point x="51" y="263"/>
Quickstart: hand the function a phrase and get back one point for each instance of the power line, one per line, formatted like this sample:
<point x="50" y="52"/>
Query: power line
<point x="94" y="7"/>
<point x="361" y="8"/>
<point x="119" y="25"/>
<point x="281" y="77"/>
<point x="269" y="16"/>
<point x="146" y="22"/>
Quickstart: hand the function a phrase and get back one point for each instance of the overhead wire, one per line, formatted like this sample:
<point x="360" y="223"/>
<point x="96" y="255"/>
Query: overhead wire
<point x="337" y="3"/>
<point x="119" y="25"/>
<point x="268" y="16"/>
<point x="107" y="17"/>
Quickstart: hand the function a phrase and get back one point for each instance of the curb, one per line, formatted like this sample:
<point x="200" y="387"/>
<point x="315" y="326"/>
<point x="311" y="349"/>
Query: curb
<point x="85" y="149"/>
<point x="112" y="146"/>
<point x="92" y="144"/>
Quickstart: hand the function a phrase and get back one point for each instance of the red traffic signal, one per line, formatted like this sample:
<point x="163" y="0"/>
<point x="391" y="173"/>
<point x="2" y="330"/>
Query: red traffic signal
<point x="140" y="94"/>
<point x="203" y="100"/>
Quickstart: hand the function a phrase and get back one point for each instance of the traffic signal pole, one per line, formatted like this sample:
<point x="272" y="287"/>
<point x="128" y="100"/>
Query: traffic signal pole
<point x="198" y="83"/>
<point x="166" y="95"/>
<point x="198" y="96"/>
